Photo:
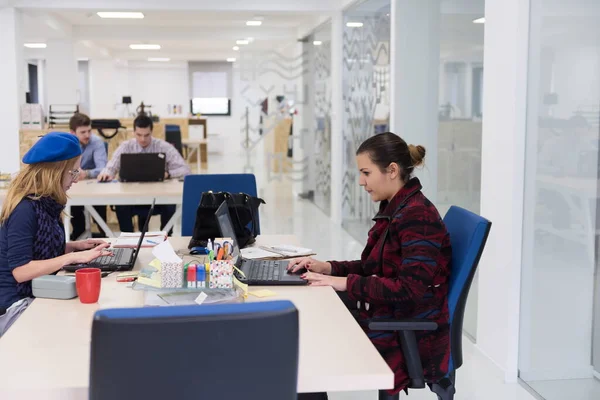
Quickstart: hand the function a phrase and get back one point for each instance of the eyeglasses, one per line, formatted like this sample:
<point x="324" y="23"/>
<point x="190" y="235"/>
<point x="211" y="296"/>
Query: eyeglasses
<point x="75" y="173"/>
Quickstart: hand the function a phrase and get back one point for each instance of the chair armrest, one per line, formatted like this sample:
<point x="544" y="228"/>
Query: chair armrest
<point x="414" y="324"/>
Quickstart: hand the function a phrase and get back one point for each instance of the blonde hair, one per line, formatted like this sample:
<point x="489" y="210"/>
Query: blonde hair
<point x="38" y="180"/>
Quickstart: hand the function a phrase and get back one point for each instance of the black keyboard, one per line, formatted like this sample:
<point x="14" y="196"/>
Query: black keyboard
<point x="263" y="271"/>
<point x="115" y="259"/>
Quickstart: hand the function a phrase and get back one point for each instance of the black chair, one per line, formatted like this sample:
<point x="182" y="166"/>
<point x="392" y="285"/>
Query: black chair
<point x="468" y="234"/>
<point x="231" y="351"/>
<point x="173" y="136"/>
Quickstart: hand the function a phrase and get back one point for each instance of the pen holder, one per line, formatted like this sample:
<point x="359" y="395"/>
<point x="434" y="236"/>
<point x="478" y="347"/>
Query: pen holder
<point x="221" y="275"/>
<point x="172" y="275"/>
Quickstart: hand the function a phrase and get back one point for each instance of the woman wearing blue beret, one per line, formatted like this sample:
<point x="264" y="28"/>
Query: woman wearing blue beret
<point x="32" y="236"/>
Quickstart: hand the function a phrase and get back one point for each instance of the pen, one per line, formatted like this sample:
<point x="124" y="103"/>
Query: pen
<point x="282" y="249"/>
<point x="151" y="241"/>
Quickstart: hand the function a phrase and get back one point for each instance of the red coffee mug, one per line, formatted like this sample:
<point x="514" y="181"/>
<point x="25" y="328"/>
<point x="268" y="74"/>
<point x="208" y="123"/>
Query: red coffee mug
<point x="87" y="281"/>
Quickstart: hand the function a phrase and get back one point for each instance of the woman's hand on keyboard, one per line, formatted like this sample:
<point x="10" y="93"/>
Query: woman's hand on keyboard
<point x="87" y="244"/>
<point x="83" y="257"/>
<point x="310" y="264"/>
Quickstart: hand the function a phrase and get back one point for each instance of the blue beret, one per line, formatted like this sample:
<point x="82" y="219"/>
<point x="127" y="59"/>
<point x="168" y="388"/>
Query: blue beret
<point x="54" y="146"/>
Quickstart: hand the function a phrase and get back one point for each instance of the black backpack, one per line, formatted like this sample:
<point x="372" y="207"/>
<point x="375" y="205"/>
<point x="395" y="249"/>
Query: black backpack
<point x="243" y="209"/>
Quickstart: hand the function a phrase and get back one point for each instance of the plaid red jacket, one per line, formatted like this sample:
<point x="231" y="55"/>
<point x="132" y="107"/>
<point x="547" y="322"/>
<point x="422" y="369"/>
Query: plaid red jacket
<point x="404" y="273"/>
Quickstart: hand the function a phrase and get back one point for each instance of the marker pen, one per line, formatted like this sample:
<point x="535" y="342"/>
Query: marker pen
<point x="191" y="275"/>
<point x="200" y="276"/>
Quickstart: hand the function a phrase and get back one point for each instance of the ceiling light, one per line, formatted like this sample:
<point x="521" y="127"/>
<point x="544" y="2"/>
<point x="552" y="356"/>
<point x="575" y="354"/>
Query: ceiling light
<point x="144" y="46"/>
<point x="253" y="23"/>
<point x="127" y="15"/>
<point x="479" y="20"/>
<point x="317" y="43"/>
<point x="35" y="45"/>
<point x="235" y="48"/>
<point x="243" y="41"/>
<point x="354" y="24"/>
<point x="231" y="59"/>
<point x="159" y="59"/>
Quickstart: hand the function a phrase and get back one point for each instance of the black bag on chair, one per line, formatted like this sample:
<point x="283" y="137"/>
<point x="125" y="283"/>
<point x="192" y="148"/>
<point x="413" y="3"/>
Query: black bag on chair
<point x="243" y="209"/>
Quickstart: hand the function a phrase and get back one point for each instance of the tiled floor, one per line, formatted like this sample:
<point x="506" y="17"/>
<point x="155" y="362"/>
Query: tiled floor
<point x="285" y="213"/>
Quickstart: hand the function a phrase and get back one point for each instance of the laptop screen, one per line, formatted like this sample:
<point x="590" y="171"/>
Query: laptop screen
<point x="226" y="227"/>
<point x="143" y="233"/>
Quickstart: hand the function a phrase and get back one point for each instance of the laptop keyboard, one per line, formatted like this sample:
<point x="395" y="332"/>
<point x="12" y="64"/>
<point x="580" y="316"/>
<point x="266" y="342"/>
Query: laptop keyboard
<point x="263" y="271"/>
<point x="115" y="259"/>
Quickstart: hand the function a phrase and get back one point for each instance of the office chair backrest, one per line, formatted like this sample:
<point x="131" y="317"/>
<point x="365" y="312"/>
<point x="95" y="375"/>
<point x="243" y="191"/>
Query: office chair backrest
<point x="173" y="136"/>
<point x="468" y="234"/>
<point x="230" y="351"/>
<point x="195" y="185"/>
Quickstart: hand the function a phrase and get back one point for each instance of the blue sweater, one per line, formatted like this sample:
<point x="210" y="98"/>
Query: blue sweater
<point x="33" y="231"/>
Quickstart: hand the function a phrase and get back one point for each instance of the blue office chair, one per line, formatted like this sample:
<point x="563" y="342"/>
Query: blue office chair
<point x="230" y="351"/>
<point x="173" y="136"/>
<point x="195" y="185"/>
<point x="468" y="234"/>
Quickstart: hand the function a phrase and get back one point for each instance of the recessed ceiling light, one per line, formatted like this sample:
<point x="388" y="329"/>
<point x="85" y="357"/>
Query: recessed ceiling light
<point x="236" y="48"/>
<point x="121" y="15"/>
<point x="479" y="20"/>
<point x="354" y="24"/>
<point x="241" y="42"/>
<point x="231" y="59"/>
<point x="36" y="45"/>
<point x="253" y="23"/>
<point x="144" y="46"/>
<point x="159" y="59"/>
<point x="317" y="43"/>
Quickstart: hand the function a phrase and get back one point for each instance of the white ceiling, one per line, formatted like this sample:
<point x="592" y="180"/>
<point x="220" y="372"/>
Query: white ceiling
<point x="183" y="35"/>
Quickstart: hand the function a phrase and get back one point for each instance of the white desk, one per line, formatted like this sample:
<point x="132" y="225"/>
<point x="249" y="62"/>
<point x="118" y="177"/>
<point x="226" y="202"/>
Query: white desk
<point x="89" y="193"/>
<point x="45" y="354"/>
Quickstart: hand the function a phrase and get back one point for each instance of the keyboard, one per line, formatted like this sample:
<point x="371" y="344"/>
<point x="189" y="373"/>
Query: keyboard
<point x="263" y="271"/>
<point x="116" y="259"/>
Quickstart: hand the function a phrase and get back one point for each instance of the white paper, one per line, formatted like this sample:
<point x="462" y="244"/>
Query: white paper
<point x="164" y="253"/>
<point x="201" y="297"/>
<point x="254" y="253"/>
<point x="138" y="234"/>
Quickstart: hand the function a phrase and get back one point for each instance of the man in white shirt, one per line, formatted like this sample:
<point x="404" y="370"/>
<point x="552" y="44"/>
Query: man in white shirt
<point x="176" y="167"/>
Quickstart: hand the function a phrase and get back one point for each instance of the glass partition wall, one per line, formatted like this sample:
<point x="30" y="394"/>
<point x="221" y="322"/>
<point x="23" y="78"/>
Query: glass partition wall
<point x="559" y="353"/>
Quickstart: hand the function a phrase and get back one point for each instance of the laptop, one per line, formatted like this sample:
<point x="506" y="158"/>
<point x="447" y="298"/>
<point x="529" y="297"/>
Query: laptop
<point x="123" y="259"/>
<point x="257" y="272"/>
<point x="142" y="167"/>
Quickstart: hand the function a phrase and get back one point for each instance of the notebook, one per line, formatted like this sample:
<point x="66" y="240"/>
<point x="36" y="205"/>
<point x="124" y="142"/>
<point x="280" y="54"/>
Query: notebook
<point x="131" y="239"/>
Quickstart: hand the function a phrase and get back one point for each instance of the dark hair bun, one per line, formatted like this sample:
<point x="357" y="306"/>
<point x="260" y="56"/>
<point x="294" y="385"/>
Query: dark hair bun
<point x="417" y="154"/>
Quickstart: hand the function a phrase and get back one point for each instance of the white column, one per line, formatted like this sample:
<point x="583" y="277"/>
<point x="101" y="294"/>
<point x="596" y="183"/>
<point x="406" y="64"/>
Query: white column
<point x="103" y="93"/>
<point x="12" y="82"/>
<point x="61" y="72"/>
<point x="415" y="63"/>
<point x="337" y="116"/>
<point x="42" y="91"/>
<point x="502" y="180"/>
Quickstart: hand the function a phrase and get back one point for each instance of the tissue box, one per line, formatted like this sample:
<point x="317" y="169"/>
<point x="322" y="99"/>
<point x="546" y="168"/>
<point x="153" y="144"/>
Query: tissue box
<point x="171" y="275"/>
<point x="221" y="275"/>
<point x="54" y="287"/>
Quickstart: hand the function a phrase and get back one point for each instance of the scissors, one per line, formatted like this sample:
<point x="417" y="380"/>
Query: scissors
<point x="227" y="247"/>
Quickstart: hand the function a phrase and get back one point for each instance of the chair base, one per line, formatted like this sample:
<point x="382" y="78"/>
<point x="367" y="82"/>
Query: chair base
<point x="383" y="395"/>
<point x="444" y="389"/>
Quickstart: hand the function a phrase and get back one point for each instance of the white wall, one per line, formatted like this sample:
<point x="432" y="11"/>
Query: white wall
<point x="102" y="90"/>
<point x="228" y="127"/>
<point x="158" y="85"/>
<point x="502" y="180"/>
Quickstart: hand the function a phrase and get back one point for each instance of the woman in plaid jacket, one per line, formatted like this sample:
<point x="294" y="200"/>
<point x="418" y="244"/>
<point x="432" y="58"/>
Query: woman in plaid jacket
<point x="405" y="268"/>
